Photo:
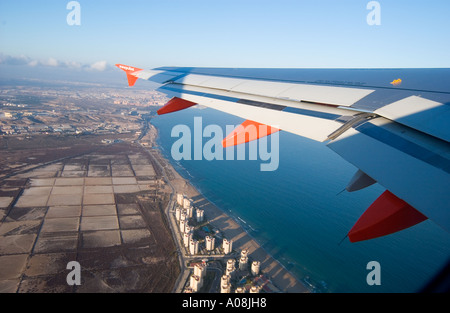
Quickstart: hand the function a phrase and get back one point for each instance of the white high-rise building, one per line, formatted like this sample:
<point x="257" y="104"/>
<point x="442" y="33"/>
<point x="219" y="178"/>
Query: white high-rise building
<point x="200" y="270"/>
<point x="230" y="272"/>
<point x="225" y="279"/>
<point x="209" y="243"/>
<point x="240" y="290"/>
<point x="225" y="288"/>
<point x="244" y="253"/>
<point x="230" y="264"/>
<point x="178" y="214"/>
<point x="230" y="267"/>
<point x="183" y="216"/>
<point x="254" y="289"/>
<point x="227" y="246"/>
<point x="188" y="229"/>
<point x="243" y="263"/>
<point x="182" y="226"/>
<point x="186" y="239"/>
<point x="180" y="199"/>
<point x="200" y="215"/>
<point x="255" y="268"/>
<point x="193" y="247"/>
<point x="187" y="203"/>
<point x="189" y="211"/>
<point x="195" y="283"/>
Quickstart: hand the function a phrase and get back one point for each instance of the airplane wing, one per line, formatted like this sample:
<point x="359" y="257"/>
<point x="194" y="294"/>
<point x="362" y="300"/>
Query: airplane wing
<point x="395" y="130"/>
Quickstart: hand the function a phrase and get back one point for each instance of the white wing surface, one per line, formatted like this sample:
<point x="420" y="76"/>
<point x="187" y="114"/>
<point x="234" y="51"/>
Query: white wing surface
<point x="397" y="133"/>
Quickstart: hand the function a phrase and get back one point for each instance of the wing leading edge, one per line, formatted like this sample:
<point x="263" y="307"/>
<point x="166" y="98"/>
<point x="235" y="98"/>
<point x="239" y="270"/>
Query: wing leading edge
<point x="398" y="137"/>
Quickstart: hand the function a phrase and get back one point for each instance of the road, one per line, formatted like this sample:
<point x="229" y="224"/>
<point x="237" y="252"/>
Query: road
<point x="184" y="271"/>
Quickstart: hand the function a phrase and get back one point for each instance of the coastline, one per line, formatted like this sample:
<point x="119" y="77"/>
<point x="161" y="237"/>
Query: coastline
<point x="280" y="277"/>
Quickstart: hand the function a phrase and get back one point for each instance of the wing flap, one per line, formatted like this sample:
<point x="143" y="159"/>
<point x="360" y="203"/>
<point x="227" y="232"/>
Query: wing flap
<point x="339" y="96"/>
<point x="312" y="127"/>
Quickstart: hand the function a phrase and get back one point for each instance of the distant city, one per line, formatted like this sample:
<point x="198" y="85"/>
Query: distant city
<point x="65" y="110"/>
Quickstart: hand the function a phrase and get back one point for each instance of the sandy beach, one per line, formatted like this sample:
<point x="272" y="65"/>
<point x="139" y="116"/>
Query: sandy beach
<point x="231" y="230"/>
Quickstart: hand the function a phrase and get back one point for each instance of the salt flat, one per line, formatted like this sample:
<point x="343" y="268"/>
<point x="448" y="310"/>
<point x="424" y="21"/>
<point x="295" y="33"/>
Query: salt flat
<point x="99" y="223"/>
<point x="63" y="211"/>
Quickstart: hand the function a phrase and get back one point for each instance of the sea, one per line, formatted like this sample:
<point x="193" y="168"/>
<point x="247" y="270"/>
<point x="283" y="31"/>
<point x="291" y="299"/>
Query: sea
<point x="299" y="214"/>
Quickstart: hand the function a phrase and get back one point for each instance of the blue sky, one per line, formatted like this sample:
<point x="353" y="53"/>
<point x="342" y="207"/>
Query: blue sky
<point x="213" y="33"/>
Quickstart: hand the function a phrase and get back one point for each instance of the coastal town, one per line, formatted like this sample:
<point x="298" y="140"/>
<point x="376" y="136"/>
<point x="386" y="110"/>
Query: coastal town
<point x="197" y="240"/>
<point x="82" y="179"/>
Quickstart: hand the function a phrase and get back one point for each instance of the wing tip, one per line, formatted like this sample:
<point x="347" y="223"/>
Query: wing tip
<point x="130" y="71"/>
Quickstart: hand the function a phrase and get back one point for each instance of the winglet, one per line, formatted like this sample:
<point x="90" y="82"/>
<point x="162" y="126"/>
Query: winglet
<point x="131" y="71"/>
<point x="387" y="215"/>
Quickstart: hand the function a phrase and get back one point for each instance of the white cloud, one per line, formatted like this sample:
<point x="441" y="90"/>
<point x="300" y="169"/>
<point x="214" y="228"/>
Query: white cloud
<point x="14" y="60"/>
<point x="72" y="64"/>
<point x="33" y="63"/>
<point x="51" y="62"/>
<point x="99" y="66"/>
